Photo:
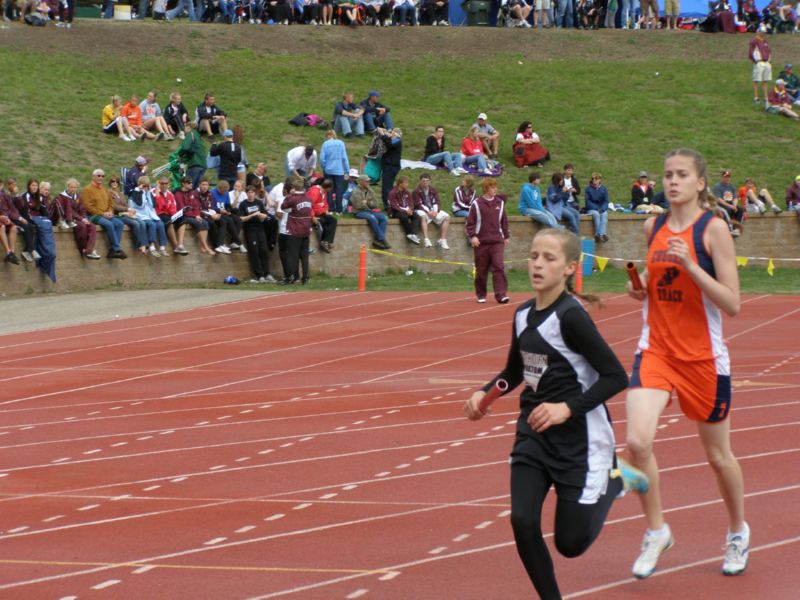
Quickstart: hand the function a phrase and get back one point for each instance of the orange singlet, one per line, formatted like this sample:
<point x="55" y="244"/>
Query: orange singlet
<point x="681" y="346"/>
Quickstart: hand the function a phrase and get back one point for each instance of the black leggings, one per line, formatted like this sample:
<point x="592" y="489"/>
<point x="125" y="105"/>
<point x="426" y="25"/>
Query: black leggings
<point x="576" y="527"/>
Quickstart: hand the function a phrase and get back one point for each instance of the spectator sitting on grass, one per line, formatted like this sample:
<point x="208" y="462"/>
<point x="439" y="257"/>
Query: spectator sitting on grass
<point x="558" y="203"/>
<point x="100" y="207"/>
<point x="488" y="135"/>
<point x="429" y="209"/>
<point x="114" y="122"/>
<point x="463" y="196"/>
<point x="379" y="12"/>
<point x="348" y="118"/>
<point x="131" y="111"/>
<point x="755" y="200"/>
<point x="792" y="80"/>
<point x="210" y="118"/>
<point x="176" y="115"/>
<point x="473" y="152"/>
<point x="435" y="153"/>
<point x="530" y="202"/>
<point x="365" y="206"/>
<point x="793" y="196"/>
<point x="779" y="102"/>
<point x="259" y="175"/>
<point x="596" y="203"/>
<point x="401" y="206"/>
<point x="405" y="11"/>
<point x="375" y="114"/>
<point x="642" y="196"/>
<point x="152" y="118"/>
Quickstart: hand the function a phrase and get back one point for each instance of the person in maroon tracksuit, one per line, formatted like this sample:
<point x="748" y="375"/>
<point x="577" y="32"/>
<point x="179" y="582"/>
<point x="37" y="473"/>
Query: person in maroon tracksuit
<point x="487" y="230"/>
<point x="298" y="225"/>
<point x="85" y="231"/>
<point x="188" y="202"/>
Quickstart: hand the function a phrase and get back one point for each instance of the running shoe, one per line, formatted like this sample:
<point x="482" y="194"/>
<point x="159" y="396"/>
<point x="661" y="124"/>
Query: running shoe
<point x="428" y="243"/>
<point x="632" y="478"/>
<point x="653" y="545"/>
<point x="443" y="244"/>
<point x="737" y="552"/>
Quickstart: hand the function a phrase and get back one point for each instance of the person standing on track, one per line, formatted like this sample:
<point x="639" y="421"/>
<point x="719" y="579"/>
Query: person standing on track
<point x="691" y="275"/>
<point x="564" y="436"/>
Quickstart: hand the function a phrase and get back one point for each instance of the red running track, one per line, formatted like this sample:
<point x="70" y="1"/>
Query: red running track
<point x="312" y="445"/>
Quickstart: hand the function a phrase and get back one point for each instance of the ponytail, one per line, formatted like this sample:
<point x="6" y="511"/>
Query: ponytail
<point x="571" y="246"/>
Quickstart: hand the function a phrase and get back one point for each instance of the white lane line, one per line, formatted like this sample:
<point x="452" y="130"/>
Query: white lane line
<point x="214" y="541"/>
<point x="359" y="422"/>
<point x="461" y="538"/>
<point x="243" y="459"/>
<point x="246" y="411"/>
<point x="308" y="438"/>
<point x="357" y="594"/>
<point x="245" y="529"/>
<point x="389" y="576"/>
<point x="118" y="444"/>
<point x="483" y="525"/>
<point x="287" y="445"/>
<point x="115" y="408"/>
<point x="151" y="488"/>
<point x="60" y="460"/>
<point x="144" y="437"/>
<point x="328" y="496"/>
<point x="53" y="518"/>
<point x="347" y="488"/>
<point x="440" y="450"/>
<point x="376" y="417"/>
<point x="504" y="514"/>
<point x="143" y="569"/>
<point x="106" y="584"/>
<point x="178" y="479"/>
<point x="267" y="451"/>
<point x="88" y="507"/>
<point x="167" y="432"/>
<point x="382" y="474"/>
<point x="274" y="517"/>
<point x="18" y="529"/>
<point x="95" y="451"/>
<point x="217" y="467"/>
<point x="421" y="458"/>
<point x="68" y="598"/>
<point x="302" y="506"/>
<point x="223" y="417"/>
<point x="438" y="550"/>
<point x="122" y="497"/>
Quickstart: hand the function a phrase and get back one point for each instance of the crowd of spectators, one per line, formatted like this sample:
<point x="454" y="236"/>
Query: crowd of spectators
<point x="239" y="209"/>
<point x="776" y="16"/>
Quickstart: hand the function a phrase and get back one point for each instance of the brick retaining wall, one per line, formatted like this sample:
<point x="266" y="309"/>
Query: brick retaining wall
<point x="768" y="235"/>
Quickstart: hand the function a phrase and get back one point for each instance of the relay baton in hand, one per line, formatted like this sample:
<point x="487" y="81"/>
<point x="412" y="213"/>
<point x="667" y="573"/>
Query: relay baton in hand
<point x="498" y="389"/>
<point x="633" y="274"/>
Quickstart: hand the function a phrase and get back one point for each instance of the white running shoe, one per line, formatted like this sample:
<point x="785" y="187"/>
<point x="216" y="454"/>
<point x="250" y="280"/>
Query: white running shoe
<point x="737" y="552"/>
<point x="243" y="249"/>
<point x="481" y="300"/>
<point x="222" y="250"/>
<point x="428" y="243"/>
<point x="653" y="545"/>
<point x="443" y="244"/>
<point x="413" y="238"/>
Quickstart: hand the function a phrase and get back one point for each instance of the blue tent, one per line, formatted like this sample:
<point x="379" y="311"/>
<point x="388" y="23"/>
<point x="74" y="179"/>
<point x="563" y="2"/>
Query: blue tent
<point x="689" y="8"/>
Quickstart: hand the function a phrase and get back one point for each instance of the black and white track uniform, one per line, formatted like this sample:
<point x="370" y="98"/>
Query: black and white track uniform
<point x="561" y="357"/>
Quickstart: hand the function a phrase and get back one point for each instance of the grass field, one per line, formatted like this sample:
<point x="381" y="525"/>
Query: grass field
<point x="611" y="101"/>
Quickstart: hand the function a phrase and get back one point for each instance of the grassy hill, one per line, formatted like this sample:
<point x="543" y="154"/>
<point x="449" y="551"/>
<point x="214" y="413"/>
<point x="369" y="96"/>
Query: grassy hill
<point x="610" y="101"/>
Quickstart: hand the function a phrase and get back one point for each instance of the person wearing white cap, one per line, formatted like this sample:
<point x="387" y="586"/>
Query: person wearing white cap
<point x="779" y="102"/>
<point x="760" y="53"/>
<point x="488" y="135"/>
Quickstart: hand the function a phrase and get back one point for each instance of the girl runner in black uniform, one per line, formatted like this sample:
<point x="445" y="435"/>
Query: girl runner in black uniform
<point x="564" y="436"/>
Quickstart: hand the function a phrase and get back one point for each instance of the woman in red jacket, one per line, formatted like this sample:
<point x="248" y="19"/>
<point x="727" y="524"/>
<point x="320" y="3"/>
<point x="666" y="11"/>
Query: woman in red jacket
<point x="487" y="229"/>
<point x="472" y="149"/>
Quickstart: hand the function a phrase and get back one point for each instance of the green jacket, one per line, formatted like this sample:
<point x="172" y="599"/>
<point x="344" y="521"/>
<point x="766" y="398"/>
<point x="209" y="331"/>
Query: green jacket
<point x="363" y="199"/>
<point x="192" y="151"/>
<point x="792" y="81"/>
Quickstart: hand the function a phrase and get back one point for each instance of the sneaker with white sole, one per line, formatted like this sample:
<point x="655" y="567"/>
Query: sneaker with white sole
<point x="443" y="244"/>
<point x="413" y="238"/>
<point x="481" y="300"/>
<point x="633" y="480"/>
<point x="27" y="256"/>
<point x="36" y="255"/>
<point x="428" y="243"/>
<point x="737" y="552"/>
<point x="653" y="545"/>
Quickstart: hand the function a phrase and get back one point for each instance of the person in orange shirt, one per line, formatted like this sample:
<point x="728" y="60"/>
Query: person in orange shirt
<point x="690" y="279"/>
<point x="755" y="200"/>
<point x="133" y="114"/>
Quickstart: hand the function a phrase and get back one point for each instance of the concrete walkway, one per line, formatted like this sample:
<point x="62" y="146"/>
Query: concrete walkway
<point x="44" y="312"/>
